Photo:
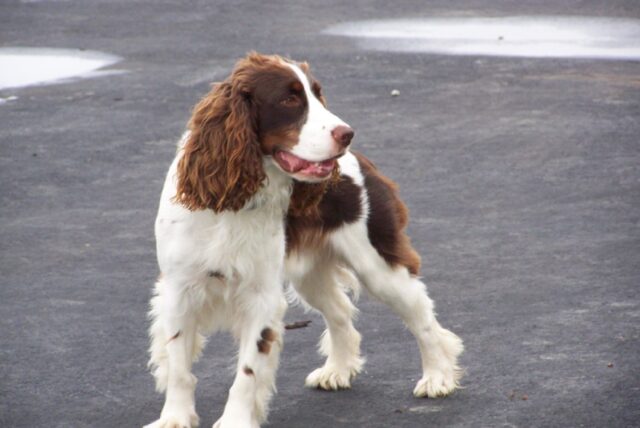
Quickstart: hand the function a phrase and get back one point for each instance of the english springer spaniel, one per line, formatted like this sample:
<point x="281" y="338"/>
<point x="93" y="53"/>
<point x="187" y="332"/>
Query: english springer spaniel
<point x="263" y="190"/>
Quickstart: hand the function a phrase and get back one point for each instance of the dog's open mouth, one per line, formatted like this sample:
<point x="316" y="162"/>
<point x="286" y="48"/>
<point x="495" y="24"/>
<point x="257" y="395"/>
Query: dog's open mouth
<point x="296" y="165"/>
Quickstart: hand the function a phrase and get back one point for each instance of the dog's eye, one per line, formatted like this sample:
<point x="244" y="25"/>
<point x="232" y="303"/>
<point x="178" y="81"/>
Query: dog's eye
<point x="291" y="101"/>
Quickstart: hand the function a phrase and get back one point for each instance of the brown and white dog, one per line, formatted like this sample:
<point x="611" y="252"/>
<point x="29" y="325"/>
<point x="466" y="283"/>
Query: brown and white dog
<point x="263" y="190"/>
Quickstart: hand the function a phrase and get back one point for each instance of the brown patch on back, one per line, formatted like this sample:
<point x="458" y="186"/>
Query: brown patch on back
<point x="388" y="217"/>
<point x="317" y="209"/>
<point x="248" y="371"/>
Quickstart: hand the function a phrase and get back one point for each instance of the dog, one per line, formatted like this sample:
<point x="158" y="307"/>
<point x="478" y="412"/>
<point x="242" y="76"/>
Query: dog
<point x="264" y="190"/>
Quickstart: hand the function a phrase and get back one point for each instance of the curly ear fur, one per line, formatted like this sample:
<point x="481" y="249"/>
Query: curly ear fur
<point x="221" y="167"/>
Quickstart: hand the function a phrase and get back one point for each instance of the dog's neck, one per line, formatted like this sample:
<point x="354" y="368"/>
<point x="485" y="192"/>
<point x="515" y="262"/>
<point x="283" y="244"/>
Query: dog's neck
<point x="275" y="192"/>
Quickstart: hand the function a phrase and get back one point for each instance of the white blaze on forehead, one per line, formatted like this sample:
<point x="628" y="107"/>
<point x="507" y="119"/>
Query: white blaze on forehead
<point x="315" y="141"/>
<point x="313" y="102"/>
<point x="305" y="82"/>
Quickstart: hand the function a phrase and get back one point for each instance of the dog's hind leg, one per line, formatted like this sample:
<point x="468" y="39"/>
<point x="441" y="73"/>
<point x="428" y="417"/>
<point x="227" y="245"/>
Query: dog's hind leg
<point x="407" y="296"/>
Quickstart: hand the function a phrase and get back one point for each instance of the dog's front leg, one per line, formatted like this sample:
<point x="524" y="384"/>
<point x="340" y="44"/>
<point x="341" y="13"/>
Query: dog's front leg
<point x="258" y="328"/>
<point x="173" y="337"/>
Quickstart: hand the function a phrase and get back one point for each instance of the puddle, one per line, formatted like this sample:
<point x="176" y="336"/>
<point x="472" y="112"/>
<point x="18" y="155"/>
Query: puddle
<point x="8" y="99"/>
<point x="21" y="67"/>
<point x="518" y="36"/>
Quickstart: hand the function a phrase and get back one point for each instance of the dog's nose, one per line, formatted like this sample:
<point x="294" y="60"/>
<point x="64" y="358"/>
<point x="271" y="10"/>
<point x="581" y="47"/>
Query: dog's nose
<point x="342" y="134"/>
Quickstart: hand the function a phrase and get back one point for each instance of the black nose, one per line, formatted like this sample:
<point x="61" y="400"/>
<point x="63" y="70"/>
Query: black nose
<point x="342" y="134"/>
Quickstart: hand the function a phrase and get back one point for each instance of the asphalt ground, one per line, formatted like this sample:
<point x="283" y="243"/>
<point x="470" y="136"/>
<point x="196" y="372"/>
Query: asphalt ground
<point x="522" y="177"/>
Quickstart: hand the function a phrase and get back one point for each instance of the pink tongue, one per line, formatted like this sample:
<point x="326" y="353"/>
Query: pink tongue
<point x="291" y="163"/>
<point x="321" y="169"/>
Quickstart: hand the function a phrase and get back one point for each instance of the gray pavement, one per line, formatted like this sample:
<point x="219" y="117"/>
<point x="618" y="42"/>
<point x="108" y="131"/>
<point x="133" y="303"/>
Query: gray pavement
<point x="522" y="176"/>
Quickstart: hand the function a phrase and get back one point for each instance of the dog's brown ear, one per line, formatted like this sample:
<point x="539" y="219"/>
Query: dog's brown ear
<point x="221" y="167"/>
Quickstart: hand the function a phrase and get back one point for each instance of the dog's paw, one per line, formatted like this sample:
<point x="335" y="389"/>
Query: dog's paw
<point x="229" y="422"/>
<point x="437" y="383"/>
<point x="176" y="420"/>
<point x="332" y="378"/>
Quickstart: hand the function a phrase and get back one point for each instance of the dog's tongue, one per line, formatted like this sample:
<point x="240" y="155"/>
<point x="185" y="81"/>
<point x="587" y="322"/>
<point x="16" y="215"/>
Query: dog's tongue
<point x="290" y="162"/>
<point x="293" y="164"/>
<point x="320" y="169"/>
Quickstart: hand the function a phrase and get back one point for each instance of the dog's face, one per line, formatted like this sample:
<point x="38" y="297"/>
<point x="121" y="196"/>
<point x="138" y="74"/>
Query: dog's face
<point x="294" y="125"/>
<point x="269" y="107"/>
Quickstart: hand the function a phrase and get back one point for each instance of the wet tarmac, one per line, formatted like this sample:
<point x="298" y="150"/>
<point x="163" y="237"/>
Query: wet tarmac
<point x="522" y="175"/>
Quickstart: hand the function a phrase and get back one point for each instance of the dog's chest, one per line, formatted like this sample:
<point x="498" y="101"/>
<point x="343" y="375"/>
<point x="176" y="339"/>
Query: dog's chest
<point x="245" y="243"/>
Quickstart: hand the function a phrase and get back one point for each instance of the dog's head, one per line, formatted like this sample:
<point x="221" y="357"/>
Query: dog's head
<point x="269" y="107"/>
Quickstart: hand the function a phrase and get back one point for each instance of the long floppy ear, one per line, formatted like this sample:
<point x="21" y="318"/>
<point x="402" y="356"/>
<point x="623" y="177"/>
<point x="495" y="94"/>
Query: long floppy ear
<point x="221" y="167"/>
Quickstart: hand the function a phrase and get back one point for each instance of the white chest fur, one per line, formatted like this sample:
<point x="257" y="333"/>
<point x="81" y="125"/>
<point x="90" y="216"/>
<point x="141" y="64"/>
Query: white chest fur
<point x="241" y="246"/>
